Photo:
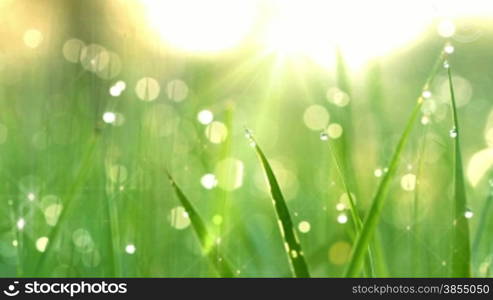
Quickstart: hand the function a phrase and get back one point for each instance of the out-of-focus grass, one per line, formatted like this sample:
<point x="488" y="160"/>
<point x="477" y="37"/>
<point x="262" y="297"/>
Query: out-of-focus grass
<point x="206" y="239"/>
<point x="372" y="219"/>
<point x="287" y="228"/>
<point x="461" y="254"/>
<point x="118" y="216"/>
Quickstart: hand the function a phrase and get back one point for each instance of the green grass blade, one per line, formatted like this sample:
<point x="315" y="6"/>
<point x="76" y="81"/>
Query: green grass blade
<point x="461" y="252"/>
<point x="483" y="219"/>
<point x="206" y="240"/>
<point x="288" y="232"/>
<point x="373" y="217"/>
<point x="357" y="220"/>
<point x="82" y="176"/>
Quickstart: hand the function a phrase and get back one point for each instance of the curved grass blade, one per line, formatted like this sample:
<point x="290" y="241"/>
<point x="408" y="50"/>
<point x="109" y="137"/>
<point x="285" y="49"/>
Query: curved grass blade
<point x="461" y="252"/>
<point x="85" y="168"/>
<point x="206" y="240"/>
<point x="485" y="215"/>
<point x="292" y="244"/>
<point x="371" y="221"/>
<point x="358" y="221"/>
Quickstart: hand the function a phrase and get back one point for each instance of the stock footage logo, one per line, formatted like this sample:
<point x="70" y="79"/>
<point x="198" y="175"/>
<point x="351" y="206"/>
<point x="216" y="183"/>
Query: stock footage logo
<point x="11" y="290"/>
<point x="69" y="288"/>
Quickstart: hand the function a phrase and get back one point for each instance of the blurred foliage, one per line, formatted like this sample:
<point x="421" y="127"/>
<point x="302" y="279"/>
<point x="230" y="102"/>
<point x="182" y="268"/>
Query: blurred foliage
<point x="51" y="109"/>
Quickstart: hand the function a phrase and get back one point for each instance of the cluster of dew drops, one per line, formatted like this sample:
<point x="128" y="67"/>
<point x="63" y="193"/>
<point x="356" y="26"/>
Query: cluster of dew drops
<point x="447" y="50"/>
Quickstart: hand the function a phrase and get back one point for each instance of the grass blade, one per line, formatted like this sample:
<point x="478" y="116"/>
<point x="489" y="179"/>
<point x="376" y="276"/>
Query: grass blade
<point x="483" y="220"/>
<point x="82" y="176"/>
<point x="206" y="240"/>
<point x="373" y="217"/>
<point x="288" y="232"/>
<point x="461" y="252"/>
<point x="358" y="221"/>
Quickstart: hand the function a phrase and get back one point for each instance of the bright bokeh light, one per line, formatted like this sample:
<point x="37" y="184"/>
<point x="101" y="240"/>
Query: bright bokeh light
<point x="201" y="26"/>
<point x="408" y="182"/>
<point x="304" y="226"/>
<point x="42" y="243"/>
<point x="208" y="181"/>
<point x="205" y="117"/>
<point x="109" y="117"/>
<point x="316" y="117"/>
<point x="33" y="38"/>
<point x="130" y="249"/>
<point x="361" y="29"/>
<point x="21" y="223"/>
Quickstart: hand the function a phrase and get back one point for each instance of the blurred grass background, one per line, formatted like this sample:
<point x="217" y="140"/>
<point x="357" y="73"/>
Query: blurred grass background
<point x="75" y="146"/>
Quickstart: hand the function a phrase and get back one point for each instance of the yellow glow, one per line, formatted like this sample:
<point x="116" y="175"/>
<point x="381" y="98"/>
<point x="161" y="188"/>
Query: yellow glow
<point x="478" y="166"/>
<point x="339" y="253"/>
<point x="201" y="26"/>
<point x="362" y="29"/>
<point x="311" y="28"/>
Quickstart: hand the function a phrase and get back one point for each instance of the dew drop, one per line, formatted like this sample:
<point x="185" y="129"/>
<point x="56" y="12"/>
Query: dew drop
<point x="453" y="133"/>
<point x="248" y="133"/>
<point x="468" y="214"/>
<point x="249" y="136"/>
<point x="378" y="172"/>
<point x="449" y="49"/>
<point x="426" y="94"/>
<point x="446" y="64"/>
<point x="324" y="136"/>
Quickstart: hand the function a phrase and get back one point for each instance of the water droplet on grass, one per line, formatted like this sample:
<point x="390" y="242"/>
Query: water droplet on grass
<point x="468" y="214"/>
<point x="324" y="136"/>
<point x="453" y="133"/>
<point x="449" y="49"/>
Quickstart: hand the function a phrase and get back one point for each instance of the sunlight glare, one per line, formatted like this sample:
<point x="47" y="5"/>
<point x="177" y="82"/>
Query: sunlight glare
<point x="201" y="26"/>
